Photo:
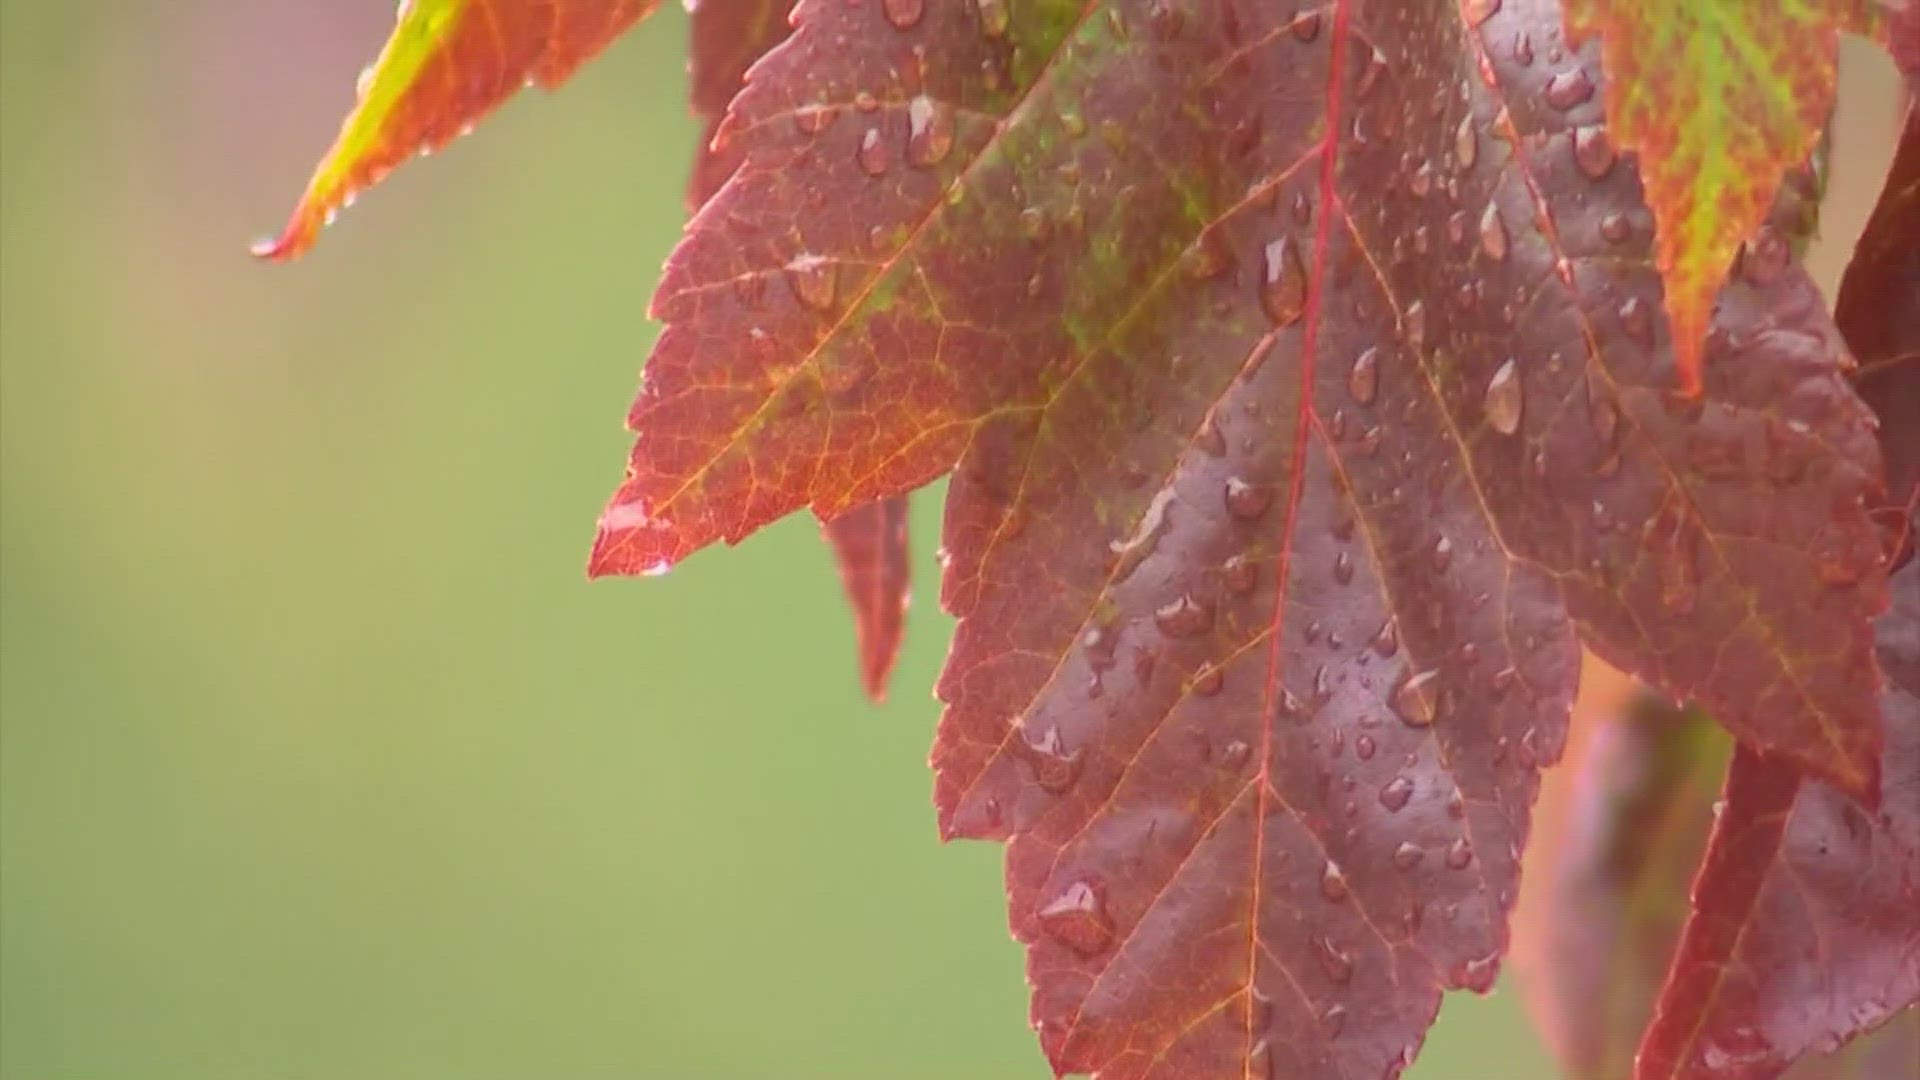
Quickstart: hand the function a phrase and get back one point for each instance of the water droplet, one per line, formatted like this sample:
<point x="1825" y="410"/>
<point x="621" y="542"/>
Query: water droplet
<point x="904" y="14"/>
<point x="1183" y="617"/>
<point x="1415" y="324"/>
<point x="1569" y="88"/>
<point x="813" y="279"/>
<point x="1364" y="748"/>
<point x="929" y="130"/>
<point x="1503" y="399"/>
<point x="1408" y="855"/>
<point x="1441" y="555"/>
<point x="1077" y="918"/>
<point x="1478" y="11"/>
<point x="1055" y="768"/>
<point x="1335" y="961"/>
<point x="1334" y="1020"/>
<point x="1466" y="144"/>
<point x="1592" y="150"/>
<point x="1206" y="683"/>
<point x="1523" y="48"/>
<point x="1386" y="641"/>
<point x="1363" y="380"/>
<point x="1415" y="696"/>
<point x="1247" y="500"/>
<point x="1459" y="855"/>
<point x="1210" y="440"/>
<point x="1477" y="975"/>
<point x="1283" y="283"/>
<point x="1305" y="26"/>
<point x="1343" y="568"/>
<point x="1396" y="793"/>
<point x="1493" y="233"/>
<point x="874" y="155"/>
<point x="1333" y="883"/>
<point x="1033" y="223"/>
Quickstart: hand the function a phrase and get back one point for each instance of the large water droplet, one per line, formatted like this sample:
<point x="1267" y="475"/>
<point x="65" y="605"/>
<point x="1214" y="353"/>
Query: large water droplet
<point x="1415" y="696"/>
<point x="1077" y="918"/>
<point x="1283" y="283"/>
<point x="1569" y="88"/>
<point x="1246" y="499"/>
<point x="1477" y="975"/>
<point x="1055" y="767"/>
<point x="1459" y="855"/>
<point x="1466" y="144"/>
<point x="1415" y="324"/>
<point x="1386" y="641"/>
<point x="874" y="155"/>
<point x="1493" y="233"/>
<point x="904" y="14"/>
<point x="1363" y="380"/>
<point x="1183" y="617"/>
<point x="1408" y="855"/>
<point x="1396" y="793"/>
<point x="1343" y="568"/>
<point x="1333" y="883"/>
<point x="929" y="131"/>
<point x="1335" y="961"/>
<point x="1592" y="150"/>
<point x="1504" y="399"/>
<point x="813" y="279"/>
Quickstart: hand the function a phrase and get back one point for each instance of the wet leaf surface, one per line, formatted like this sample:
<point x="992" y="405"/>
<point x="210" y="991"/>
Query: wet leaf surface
<point x="1310" y="398"/>
<point x="1306" y="392"/>
<point x="1805" y="928"/>
<point x="448" y="64"/>
<point x="869" y="543"/>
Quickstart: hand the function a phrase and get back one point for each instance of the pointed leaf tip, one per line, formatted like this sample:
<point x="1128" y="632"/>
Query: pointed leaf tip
<point x="447" y="64"/>
<point x="870" y="545"/>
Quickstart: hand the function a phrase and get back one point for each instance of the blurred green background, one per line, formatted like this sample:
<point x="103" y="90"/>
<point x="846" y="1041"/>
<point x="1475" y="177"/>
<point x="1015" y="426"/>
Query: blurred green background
<point x="321" y="757"/>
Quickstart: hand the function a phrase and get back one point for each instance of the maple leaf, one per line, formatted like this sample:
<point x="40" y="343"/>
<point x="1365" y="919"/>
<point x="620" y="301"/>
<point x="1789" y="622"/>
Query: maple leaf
<point x="1609" y="894"/>
<point x="1612" y="880"/>
<point x="1718" y="99"/>
<point x="448" y="63"/>
<point x="1306" y="394"/>
<point x="727" y="38"/>
<point x="869" y="542"/>
<point x="1806" y="922"/>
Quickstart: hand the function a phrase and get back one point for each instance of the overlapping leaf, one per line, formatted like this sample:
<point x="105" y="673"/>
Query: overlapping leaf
<point x="1608" y="887"/>
<point x="869" y="542"/>
<point x="448" y="63"/>
<point x="1608" y="894"/>
<point x="1718" y="98"/>
<point x="1306" y="385"/>
<point x="1806" y="922"/>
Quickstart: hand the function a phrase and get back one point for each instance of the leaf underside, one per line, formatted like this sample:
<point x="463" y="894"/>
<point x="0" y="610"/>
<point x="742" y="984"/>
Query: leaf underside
<point x="448" y="64"/>
<point x="1306" y="394"/>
